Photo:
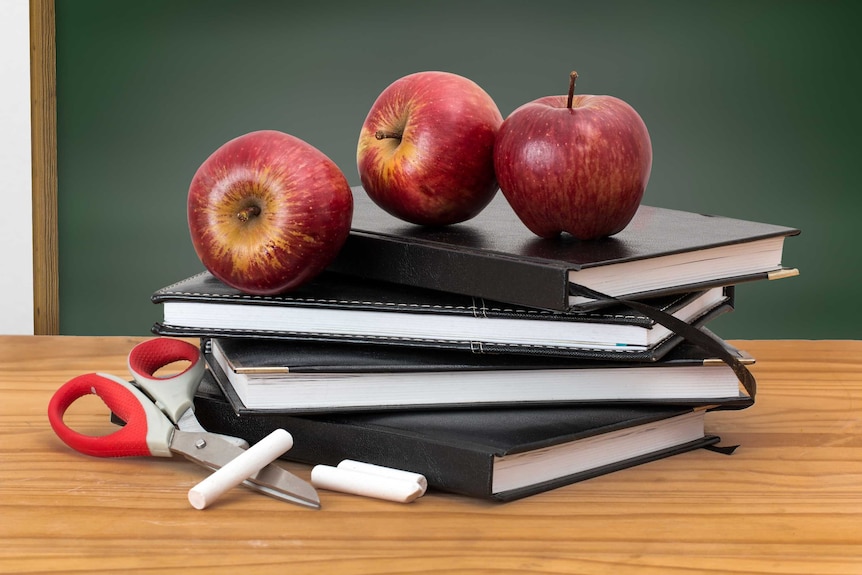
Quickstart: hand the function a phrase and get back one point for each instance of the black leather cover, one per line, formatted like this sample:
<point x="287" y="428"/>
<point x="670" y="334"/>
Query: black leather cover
<point x="336" y="291"/>
<point x="313" y="357"/>
<point x="495" y="256"/>
<point x="453" y="449"/>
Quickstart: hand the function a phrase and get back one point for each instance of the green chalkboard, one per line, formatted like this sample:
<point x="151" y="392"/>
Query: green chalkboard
<point x="751" y="105"/>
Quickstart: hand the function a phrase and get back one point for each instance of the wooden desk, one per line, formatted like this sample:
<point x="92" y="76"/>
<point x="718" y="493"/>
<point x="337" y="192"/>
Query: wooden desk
<point x="788" y="501"/>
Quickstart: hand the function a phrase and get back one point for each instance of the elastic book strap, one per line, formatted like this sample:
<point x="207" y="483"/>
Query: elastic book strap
<point x="682" y="329"/>
<point x="723" y="449"/>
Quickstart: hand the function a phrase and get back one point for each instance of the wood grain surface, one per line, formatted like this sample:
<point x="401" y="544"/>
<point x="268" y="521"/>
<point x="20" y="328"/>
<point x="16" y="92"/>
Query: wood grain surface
<point x="43" y="119"/>
<point x="788" y="501"/>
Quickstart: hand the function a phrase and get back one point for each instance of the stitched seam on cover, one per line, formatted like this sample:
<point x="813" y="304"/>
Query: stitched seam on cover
<point x="474" y="309"/>
<point x="421" y="340"/>
<point x="169" y="289"/>
<point x="478" y="308"/>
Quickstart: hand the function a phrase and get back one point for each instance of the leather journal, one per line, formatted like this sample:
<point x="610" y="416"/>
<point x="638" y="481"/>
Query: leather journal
<point x="335" y="307"/>
<point x="499" y="454"/>
<point x="311" y="377"/>
<point x="495" y="256"/>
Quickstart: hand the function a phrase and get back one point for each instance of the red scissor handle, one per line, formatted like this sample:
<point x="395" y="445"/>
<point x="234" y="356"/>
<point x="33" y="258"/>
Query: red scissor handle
<point x="147" y="430"/>
<point x="173" y="394"/>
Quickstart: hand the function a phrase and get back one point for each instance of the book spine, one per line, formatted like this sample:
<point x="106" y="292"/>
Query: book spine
<point x="451" y="468"/>
<point x="519" y="282"/>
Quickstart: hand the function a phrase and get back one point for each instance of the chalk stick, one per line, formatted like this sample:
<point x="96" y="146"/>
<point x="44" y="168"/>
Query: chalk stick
<point x="240" y="468"/>
<point x="380" y="470"/>
<point x="365" y="484"/>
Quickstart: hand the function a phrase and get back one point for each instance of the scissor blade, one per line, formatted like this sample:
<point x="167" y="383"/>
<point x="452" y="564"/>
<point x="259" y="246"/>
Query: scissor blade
<point x="277" y="482"/>
<point x="214" y="451"/>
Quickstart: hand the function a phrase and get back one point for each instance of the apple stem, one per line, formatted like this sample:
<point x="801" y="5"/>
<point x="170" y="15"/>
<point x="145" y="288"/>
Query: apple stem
<point x="572" y="78"/>
<point x="382" y="134"/>
<point x="248" y="213"/>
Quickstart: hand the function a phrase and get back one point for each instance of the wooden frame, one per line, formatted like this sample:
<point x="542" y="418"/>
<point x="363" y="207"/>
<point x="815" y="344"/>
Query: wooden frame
<point x="43" y="117"/>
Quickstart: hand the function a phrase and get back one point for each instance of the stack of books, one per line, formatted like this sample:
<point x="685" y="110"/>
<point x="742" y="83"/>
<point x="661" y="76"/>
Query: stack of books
<point x="495" y="363"/>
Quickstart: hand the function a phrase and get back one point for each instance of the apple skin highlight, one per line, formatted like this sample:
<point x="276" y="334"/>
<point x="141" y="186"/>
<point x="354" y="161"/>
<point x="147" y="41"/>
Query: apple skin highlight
<point x="267" y="212"/>
<point x="425" y="150"/>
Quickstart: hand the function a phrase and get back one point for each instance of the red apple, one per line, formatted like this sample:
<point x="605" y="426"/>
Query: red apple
<point x="425" y="152"/>
<point x="576" y="164"/>
<point x="267" y="212"/>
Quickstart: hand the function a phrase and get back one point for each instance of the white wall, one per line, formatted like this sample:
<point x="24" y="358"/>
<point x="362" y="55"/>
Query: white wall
<point x="16" y="237"/>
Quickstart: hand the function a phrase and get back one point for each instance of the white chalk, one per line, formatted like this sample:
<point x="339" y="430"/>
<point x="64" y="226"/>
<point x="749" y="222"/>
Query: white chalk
<point x="365" y="484"/>
<point x="240" y="468"/>
<point x="385" y="472"/>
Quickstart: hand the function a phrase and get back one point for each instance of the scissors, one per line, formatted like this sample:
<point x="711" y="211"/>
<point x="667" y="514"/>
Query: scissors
<point x="159" y="418"/>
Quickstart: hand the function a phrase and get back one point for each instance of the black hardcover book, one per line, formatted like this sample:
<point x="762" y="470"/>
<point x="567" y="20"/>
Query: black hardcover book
<point x="334" y="307"/>
<point x="495" y="256"/>
<point x="499" y="454"/>
<point x="311" y="376"/>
